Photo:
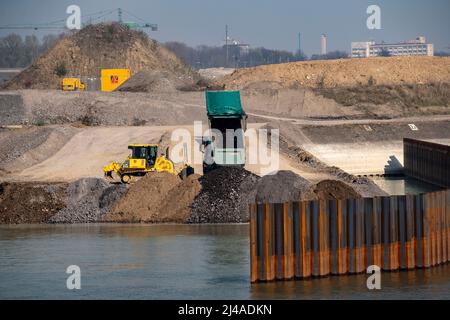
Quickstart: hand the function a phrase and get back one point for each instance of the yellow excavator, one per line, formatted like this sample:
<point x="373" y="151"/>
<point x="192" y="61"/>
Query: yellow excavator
<point x="143" y="159"/>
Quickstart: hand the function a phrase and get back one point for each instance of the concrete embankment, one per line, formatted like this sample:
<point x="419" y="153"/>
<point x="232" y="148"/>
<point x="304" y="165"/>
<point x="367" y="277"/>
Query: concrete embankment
<point x="364" y="148"/>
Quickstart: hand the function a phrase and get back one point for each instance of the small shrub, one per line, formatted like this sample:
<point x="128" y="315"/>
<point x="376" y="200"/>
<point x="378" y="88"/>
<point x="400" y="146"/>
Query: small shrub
<point x="61" y="69"/>
<point x="39" y="123"/>
<point x="139" y="122"/>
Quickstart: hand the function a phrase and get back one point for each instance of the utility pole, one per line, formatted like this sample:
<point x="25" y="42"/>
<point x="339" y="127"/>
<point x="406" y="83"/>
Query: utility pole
<point x="299" y="43"/>
<point x="226" y="46"/>
<point x="119" y="14"/>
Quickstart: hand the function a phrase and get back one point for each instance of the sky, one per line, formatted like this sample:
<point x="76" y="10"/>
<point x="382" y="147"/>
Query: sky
<point x="272" y="24"/>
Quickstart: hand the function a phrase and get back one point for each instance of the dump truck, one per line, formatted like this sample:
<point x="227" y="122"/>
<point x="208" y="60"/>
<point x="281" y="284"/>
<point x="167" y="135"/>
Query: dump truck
<point x="225" y="116"/>
<point x="142" y="160"/>
<point x="72" y="84"/>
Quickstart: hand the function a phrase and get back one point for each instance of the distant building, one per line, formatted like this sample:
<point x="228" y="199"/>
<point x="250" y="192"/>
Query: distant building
<point x="323" y="44"/>
<point x="236" y="47"/>
<point x="417" y="47"/>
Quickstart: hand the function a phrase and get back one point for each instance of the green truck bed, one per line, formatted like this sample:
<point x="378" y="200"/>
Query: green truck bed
<point x="224" y="104"/>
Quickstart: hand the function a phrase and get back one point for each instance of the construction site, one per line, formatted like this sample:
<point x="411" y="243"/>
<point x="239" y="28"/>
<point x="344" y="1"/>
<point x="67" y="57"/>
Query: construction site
<point x="341" y="122"/>
<point x="181" y="171"/>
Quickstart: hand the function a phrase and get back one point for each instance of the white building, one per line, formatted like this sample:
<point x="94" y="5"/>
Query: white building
<point x="417" y="47"/>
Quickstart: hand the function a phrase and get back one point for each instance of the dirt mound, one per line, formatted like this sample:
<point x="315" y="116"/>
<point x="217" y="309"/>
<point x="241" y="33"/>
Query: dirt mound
<point x="96" y="47"/>
<point x="30" y="202"/>
<point x="283" y="186"/>
<point x="176" y="206"/>
<point x="410" y="97"/>
<point x="144" y="199"/>
<point x="158" y="81"/>
<point x="224" y="197"/>
<point x="334" y="189"/>
<point x="87" y="200"/>
<point x="343" y="72"/>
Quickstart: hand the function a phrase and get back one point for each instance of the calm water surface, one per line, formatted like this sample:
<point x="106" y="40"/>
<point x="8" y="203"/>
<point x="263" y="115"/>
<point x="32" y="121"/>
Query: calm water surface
<point x="171" y="262"/>
<point x="403" y="185"/>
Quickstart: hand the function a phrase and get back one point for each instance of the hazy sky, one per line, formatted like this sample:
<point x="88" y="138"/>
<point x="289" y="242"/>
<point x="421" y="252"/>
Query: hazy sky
<point x="268" y="23"/>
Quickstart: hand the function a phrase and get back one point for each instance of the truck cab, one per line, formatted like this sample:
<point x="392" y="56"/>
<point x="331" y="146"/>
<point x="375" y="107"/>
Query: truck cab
<point x="227" y="122"/>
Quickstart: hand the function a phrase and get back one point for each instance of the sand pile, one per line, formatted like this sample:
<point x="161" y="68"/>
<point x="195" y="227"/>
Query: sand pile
<point x="88" y="199"/>
<point x="342" y="72"/>
<point x="30" y="202"/>
<point x="96" y="47"/>
<point x="224" y="197"/>
<point x="157" y="197"/>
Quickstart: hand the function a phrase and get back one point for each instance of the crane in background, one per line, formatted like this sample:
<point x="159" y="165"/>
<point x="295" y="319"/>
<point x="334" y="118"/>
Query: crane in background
<point x="95" y="17"/>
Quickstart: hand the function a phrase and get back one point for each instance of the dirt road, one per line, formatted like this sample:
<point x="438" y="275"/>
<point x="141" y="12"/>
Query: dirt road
<point x="88" y="151"/>
<point x="85" y="154"/>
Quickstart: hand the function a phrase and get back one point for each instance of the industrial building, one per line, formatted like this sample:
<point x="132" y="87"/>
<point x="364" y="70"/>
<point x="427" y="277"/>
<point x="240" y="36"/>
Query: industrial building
<point x="416" y="47"/>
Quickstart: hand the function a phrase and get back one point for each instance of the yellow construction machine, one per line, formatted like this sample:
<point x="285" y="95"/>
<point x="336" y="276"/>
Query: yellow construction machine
<point x="143" y="159"/>
<point x="72" y="84"/>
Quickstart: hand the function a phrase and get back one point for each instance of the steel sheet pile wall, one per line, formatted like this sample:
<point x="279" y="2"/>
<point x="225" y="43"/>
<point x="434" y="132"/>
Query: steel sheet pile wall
<point x="312" y="238"/>
<point x="427" y="161"/>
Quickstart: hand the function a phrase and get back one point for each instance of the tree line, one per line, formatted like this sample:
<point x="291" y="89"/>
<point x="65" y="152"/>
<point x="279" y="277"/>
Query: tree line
<point x="216" y="56"/>
<point x="19" y="52"/>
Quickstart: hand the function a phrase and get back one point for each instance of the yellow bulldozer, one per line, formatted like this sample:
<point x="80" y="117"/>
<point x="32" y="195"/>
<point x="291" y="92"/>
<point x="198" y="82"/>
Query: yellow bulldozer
<point x="143" y="159"/>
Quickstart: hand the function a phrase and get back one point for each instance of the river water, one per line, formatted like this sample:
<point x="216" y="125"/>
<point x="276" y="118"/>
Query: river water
<point x="172" y="262"/>
<point x="400" y="185"/>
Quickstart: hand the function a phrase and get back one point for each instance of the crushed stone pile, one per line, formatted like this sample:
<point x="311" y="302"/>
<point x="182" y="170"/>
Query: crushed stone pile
<point x="157" y="197"/>
<point x="88" y="199"/>
<point x="95" y="47"/>
<point x="282" y="187"/>
<point x="287" y="186"/>
<point x="225" y="195"/>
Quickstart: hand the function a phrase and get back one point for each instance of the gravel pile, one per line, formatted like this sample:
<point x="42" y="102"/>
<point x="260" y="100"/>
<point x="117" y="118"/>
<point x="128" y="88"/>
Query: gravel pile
<point x="283" y="186"/>
<point x="88" y="199"/>
<point x="224" y="196"/>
